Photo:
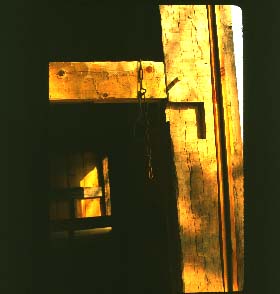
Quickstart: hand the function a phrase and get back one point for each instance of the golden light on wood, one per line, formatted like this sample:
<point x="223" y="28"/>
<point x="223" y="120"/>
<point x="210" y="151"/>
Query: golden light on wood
<point x="187" y="73"/>
<point x="197" y="278"/>
<point x="85" y="170"/>
<point x="92" y="232"/>
<point x="88" y="208"/>
<point x="104" y="81"/>
<point x="190" y="223"/>
<point x="233" y="140"/>
<point x="186" y="48"/>
<point x="185" y="38"/>
<point x="187" y="56"/>
<point x="90" y="179"/>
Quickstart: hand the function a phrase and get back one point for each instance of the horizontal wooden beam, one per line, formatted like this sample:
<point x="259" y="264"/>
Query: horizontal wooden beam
<point x="104" y="81"/>
<point x="76" y="193"/>
<point x="81" y="223"/>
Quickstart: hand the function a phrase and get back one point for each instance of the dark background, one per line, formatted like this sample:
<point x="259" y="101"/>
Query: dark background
<point x="35" y="33"/>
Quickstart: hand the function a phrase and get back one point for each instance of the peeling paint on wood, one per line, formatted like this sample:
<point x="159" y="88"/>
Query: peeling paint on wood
<point x="104" y="81"/>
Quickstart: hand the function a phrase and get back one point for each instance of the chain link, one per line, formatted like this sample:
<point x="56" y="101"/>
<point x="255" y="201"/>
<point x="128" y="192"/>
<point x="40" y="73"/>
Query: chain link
<point x="141" y="95"/>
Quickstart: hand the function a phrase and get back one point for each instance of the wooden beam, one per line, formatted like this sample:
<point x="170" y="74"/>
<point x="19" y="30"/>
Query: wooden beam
<point x="185" y="34"/>
<point x="104" y="81"/>
<point x="185" y="37"/>
<point x="76" y="193"/>
<point x="234" y="146"/>
<point x="81" y="223"/>
<point x="223" y="184"/>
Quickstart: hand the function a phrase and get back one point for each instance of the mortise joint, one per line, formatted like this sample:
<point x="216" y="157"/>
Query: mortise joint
<point x="199" y="112"/>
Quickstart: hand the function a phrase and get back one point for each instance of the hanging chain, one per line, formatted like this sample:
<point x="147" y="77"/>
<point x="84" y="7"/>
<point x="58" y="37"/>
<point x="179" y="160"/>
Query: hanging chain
<point x="143" y="115"/>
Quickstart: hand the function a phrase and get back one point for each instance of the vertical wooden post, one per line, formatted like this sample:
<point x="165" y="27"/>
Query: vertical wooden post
<point x="102" y="183"/>
<point x="185" y="37"/>
<point x="208" y="168"/>
<point x="233" y="138"/>
<point x="222" y="148"/>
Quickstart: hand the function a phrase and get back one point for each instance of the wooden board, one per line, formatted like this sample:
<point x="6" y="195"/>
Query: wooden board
<point x="81" y="223"/>
<point x="107" y="190"/>
<point x="104" y="81"/>
<point x="76" y="193"/>
<point x="233" y="136"/>
<point x="185" y="38"/>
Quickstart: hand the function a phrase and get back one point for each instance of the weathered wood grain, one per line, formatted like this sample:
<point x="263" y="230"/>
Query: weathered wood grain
<point x="107" y="191"/>
<point x="104" y="81"/>
<point x="233" y="135"/>
<point x="185" y="38"/>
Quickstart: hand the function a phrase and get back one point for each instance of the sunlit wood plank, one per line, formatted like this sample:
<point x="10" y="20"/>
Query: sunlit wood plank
<point x="104" y="81"/>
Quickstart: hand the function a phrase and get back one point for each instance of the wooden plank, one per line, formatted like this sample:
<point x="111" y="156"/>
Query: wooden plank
<point x="81" y="223"/>
<point x="76" y="193"/>
<point x="107" y="191"/>
<point x="186" y="52"/>
<point x="185" y="38"/>
<point x="104" y="81"/>
<point x="89" y="170"/>
<point x="233" y="137"/>
<point x="228" y="252"/>
<point x="87" y="208"/>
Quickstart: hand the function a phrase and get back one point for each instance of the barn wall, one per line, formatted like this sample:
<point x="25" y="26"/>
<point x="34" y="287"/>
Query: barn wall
<point x="185" y="38"/>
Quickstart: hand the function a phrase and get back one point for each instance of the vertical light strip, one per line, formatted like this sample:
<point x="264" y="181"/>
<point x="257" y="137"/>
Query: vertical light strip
<point x="236" y="13"/>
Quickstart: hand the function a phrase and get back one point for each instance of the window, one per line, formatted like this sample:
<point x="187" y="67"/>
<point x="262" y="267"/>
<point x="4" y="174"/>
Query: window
<point x="80" y="193"/>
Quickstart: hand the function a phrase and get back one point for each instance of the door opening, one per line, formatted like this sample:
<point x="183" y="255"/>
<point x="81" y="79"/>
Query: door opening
<point x="111" y="229"/>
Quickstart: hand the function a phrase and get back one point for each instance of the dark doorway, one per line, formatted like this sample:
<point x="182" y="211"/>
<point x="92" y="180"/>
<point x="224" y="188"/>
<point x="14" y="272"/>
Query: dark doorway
<point x="135" y="255"/>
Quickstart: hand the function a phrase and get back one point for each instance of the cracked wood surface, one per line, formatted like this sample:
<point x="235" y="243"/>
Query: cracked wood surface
<point x="185" y="39"/>
<point x="104" y="81"/>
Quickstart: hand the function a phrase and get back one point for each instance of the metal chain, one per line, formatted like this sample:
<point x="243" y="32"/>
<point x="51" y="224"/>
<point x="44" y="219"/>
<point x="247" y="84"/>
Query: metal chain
<point x="141" y="95"/>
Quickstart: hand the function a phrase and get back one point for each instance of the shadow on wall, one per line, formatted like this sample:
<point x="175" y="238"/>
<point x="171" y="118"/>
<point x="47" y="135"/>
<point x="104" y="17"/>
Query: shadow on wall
<point x="138" y="253"/>
<point x="199" y="264"/>
<point x="198" y="218"/>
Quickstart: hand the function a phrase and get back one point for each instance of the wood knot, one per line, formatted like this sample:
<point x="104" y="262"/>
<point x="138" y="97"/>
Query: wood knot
<point x="149" y="69"/>
<point x="61" y="73"/>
